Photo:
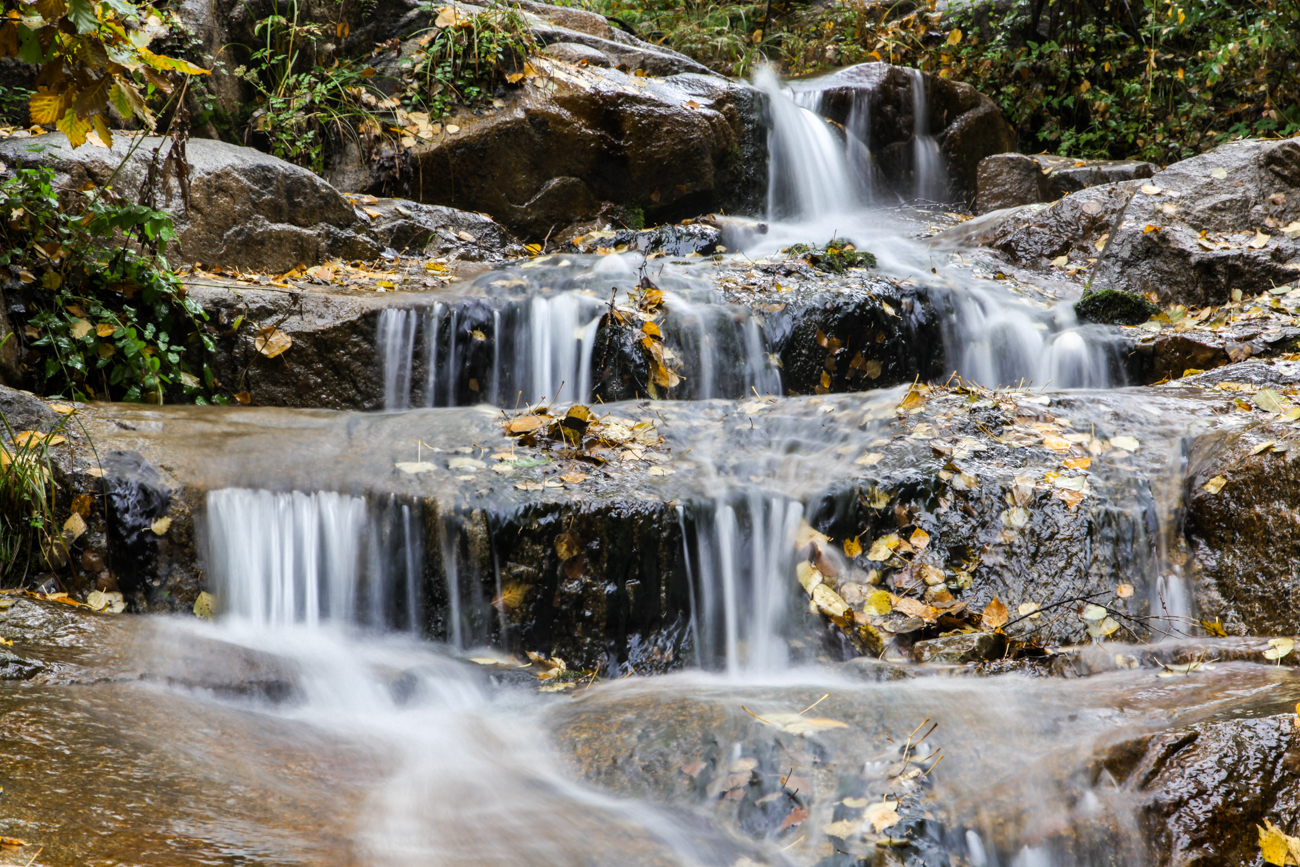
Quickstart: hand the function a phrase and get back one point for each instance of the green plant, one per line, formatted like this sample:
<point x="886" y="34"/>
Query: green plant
<point x="726" y="37"/>
<point x="29" y="535"/>
<point x="104" y="312"/>
<point x="834" y="257"/>
<point x="13" y="106"/>
<point x="309" y="105"/>
<point x="465" y="56"/>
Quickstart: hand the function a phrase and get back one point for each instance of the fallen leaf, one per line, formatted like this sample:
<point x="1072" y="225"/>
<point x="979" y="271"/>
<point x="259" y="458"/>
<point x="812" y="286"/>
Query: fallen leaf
<point x="882" y="815"/>
<point x="1128" y="444"/>
<point x="73" y="528"/>
<point x="883" y="548"/>
<point x="870" y="459"/>
<point x="796" y="724"/>
<point x="1219" y="174"/>
<point x="661" y="471"/>
<point x="1124" y="591"/>
<point x="1214" y="628"/>
<point x="1076" y="463"/>
<point x="413" y="467"/>
<point x="693" y="769"/>
<point x="954" y="36"/>
<point x="1263" y="447"/>
<point x="109" y="603"/>
<point x="919" y="539"/>
<point x="511" y="597"/>
<point x="568" y="545"/>
<point x="205" y="606"/>
<point x="844" y="829"/>
<point x="31" y="438"/>
<point x="995" y="615"/>
<point x="1277" y="847"/>
<point x="1214" y="485"/>
<point x="1027" y="609"/>
<point x="852" y="547"/>
<point x="794" y="820"/>
<point x="1279" y="647"/>
<point x="272" y="342"/>
<point x="161" y="526"/>
<point x="80" y="328"/>
<point x="806" y="534"/>
<point x="1150" y="189"/>
<point x="878" y="603"/>
<point x="1259" y="241"/>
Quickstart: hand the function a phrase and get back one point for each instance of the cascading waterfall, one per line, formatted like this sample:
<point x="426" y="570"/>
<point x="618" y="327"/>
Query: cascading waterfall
<point x="285" y="559"/>
<point x="743" y="551"/>
<point x="929" y="176"/>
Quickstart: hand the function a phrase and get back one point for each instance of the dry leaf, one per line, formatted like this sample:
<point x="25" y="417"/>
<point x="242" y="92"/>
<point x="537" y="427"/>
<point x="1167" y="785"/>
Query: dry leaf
<point x="919" y="539"/>
<point x="205" y="606"/>
<point x="1279" y="647"/>
<point x="413" y="467"/>
<point x="1128" y="444"/>
<point x="882" y="815"/>
<point x="568" y="545"/>
<point x="1214" y="485"/>
<point x="161" y="526"/>
<point x="995" y="615"/>
<point x="852" y="547"/>
<point x="272" y="342"/>
<point x="1124" y="591"/>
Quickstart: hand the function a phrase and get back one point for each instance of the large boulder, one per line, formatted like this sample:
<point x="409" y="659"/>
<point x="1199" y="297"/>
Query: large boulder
<point x="1226" y="220"/>
<point x="966" y="125"/>
<point x="249" y="211"/>
<point x="578" y="140"/>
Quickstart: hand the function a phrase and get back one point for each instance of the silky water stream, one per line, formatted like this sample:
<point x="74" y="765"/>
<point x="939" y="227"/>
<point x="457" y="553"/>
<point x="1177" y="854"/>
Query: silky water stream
<point x="354" y="704"/>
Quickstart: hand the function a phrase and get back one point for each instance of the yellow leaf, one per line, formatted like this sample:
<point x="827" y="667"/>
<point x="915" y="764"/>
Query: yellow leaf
<point x="852" y="547"/>
<point x="995" y="615"/>
<point x="1214" y="485"/>
<point x="161" y="526"/>
<point x="80" y="328"/>
<point x="919" y="539"/>
<point x="1278" y="648"/>
<point x="954" y="36"/>
<point x="883" y="547"/>
<point x="205" y="606"/>
<point x="272" y="342"/>
<point x="74" y="127"/>
<point x="878" y="603"/>
<point x="882" y="815"/>
<point x="46" y="108"/>
<point x="1124" y="591"/>
<point x="104" y="330"/>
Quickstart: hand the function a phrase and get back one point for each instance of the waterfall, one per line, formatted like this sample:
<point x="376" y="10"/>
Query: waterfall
<point x="808" y="167"/>
<point x="280" y="559"/>
<point x="929" y="175"/>
<point x="741" y="570"/>
<point x="396" y="337"/>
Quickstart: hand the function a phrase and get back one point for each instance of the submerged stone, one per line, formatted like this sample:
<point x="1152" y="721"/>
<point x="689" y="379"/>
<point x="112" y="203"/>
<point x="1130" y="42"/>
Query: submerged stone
<point x="1114" y="307"/>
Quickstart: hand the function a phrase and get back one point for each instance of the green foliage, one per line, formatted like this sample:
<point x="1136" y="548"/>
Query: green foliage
<point x="91" y="55"/>
<point x="27" y="524"/>
<point x="105" y="315"/>
<point x="726" y="37"/>
<point x="13" y="106"/>
<point x="1167" y="81"/>
<point x="834" y="257"/>
<point x="465" y="57"/>
<point x="309" y="105"/>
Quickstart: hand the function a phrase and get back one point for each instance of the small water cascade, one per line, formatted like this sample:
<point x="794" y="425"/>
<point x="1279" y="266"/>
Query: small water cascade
<point x="285" y="559"/>
<point x="740" y="554"/>
<point x="929" y="175"/>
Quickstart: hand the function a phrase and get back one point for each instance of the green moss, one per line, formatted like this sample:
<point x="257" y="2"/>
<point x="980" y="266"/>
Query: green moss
<point x="1113" y="307"/>
<point x="635" y="216"/>
<point x="834" y="257"/>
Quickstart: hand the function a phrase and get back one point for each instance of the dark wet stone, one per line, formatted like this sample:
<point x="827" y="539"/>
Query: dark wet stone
<point x="971" y="647"/>
<point x="1113" y="307"/>
<point x="15" y="667"/>
<point x="137" y="498"/>
<point x="1010" y="180"/>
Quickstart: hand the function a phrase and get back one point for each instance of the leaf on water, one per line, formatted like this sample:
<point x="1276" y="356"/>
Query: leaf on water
<point x="1128" y="444"/>
<point x="914" y="608"/>
<point x="693" y="769"/>
<point x="1072" y="499"/>
<point x="883" y="548"/>
<point x="272" y="342"/>
<point x="1027" y="609"/>
<point x="1016" y="517"/>
<point x="12" y="843"/>
<point x="1077" y="463"/>
<point x="1061" y="261"/>
<point x="855" y="803"/>
<point x="878" y="603"/>
<point x="1093" y="612"/>
<point x="1214" y="485"/>
<point x="844" y="829"/>
<point x="995" y="615"/>
<point x="661" y="471"/>
<point x="802" y="725"/>
<point x="461" y="463"/>
<point x="912" y="400"/>
<point x="919" y="539"/>
<point x="1124" y="591"/>
<point x="1279" y="647"/>
<point x="527" y="424"/>
<point x="806" y="534"/>
<point x="512" y="596"/>
<point x="1268" y="400"/>
<point x="1263" y="447"/>
<point x="568" y="545"/>
<point x="161" y="526"/>
<point x="109" y="603"/>
<point x="1277" y="846"/>
<point x="1107" y="626"/>
<point x="882" y="815"/>
<point x="870" y="459"/>
<point x="413" y="467"/>
<point x="852" y="547"/>
<point x="573" y="478"/>
<point x="205" y="606"/>
<point x="530" y="486"/>
<point x="794" y="820"/>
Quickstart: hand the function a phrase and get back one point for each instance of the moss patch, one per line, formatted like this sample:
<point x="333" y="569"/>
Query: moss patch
<point x="1113" y="307"/>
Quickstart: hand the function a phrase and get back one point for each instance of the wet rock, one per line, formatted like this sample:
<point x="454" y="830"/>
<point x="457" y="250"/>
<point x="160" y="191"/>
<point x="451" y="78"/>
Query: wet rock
<point x="1034" y="235"/>
<point x="670" y="240"/>
<point x="23" y="410"/>
<point x="1010" y="180"/>
<point x="967" y="125"/>
<point x="574" y="138"/>
<point x="410" y="228"/>
<point x="15" y="667"/>
<point x="971" y="647"/>
<point x="333" y="363"/>
<point x="573" y="52"/>
<point x="1224" y="220"/>
<point x="10" y="373"/>
<point x="1244" y="535"/>
<point x="1113" y="307"/>
<point x="1199" y="792"/>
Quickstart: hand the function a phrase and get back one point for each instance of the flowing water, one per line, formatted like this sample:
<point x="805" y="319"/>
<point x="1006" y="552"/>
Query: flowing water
<point x="315" y="723"/>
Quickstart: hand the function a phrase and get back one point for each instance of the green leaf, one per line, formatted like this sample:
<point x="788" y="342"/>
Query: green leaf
<point x="82" y="15"/>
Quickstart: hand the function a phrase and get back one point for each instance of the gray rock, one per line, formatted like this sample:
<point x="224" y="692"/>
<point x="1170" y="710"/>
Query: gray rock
<point x="1193" y="240"/>
<point x="1008" y="180"/>
<point x="254" y="212"/>
<point x="957" y="649"/>
<point x="572" y="52"/>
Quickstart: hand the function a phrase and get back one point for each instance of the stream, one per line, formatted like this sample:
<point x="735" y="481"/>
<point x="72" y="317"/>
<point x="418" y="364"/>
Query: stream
<point x="344" y="709"/>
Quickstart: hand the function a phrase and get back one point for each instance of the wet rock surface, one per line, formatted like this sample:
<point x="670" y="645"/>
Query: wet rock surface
<point x="1011" y="180"/>
<point x="1222" y="221"/>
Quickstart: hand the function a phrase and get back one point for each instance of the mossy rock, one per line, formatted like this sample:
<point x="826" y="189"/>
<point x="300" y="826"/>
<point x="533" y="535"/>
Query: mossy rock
<point x="1114" y="307"/>
<point x="832" y="258"/>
